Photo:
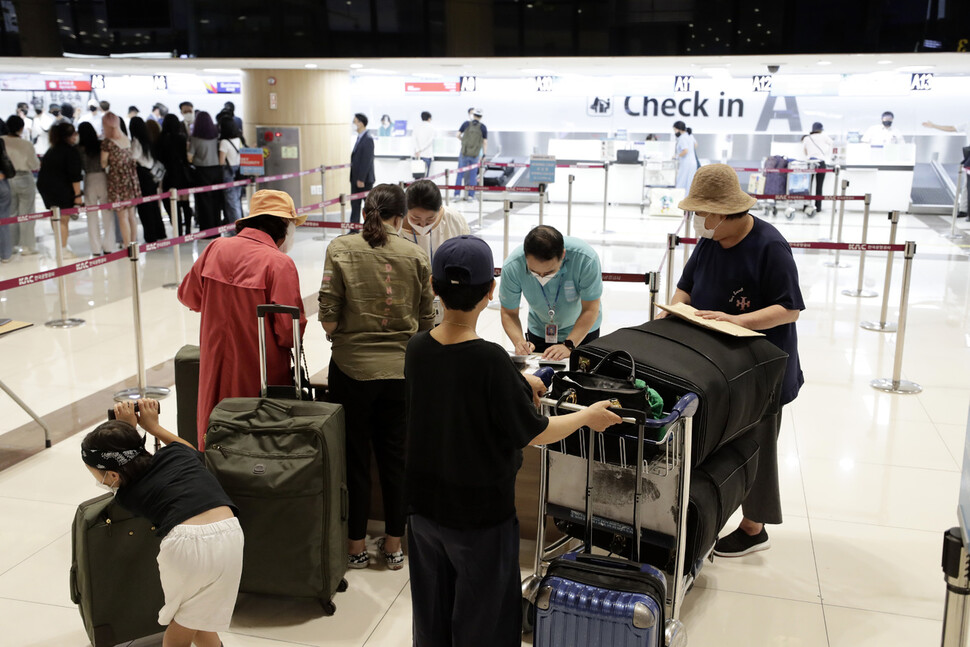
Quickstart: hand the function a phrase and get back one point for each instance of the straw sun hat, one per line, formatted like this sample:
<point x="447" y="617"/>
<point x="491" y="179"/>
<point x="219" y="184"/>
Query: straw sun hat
<point x="716" y="189"/>
<point x="274" y="203"/>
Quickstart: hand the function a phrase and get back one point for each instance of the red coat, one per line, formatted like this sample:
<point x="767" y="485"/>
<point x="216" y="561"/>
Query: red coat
<point x="232" y="277"/>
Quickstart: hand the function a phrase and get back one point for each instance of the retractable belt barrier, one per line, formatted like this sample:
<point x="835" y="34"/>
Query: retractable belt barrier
<point x="742" y="169"/>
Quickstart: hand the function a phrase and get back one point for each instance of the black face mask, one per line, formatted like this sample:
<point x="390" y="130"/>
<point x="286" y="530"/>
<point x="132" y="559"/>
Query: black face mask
<point x="677" y="134"/>
<point x="887" y="123"/>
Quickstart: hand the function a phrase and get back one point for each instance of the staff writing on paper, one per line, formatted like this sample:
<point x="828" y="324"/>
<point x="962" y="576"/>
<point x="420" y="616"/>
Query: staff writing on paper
<point x="742" y="271"/>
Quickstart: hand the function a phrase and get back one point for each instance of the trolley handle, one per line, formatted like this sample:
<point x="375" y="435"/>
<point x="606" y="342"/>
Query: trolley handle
<point x="684" y="408"/>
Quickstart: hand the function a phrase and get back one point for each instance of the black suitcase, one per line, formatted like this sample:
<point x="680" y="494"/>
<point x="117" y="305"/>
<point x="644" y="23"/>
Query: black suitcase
<point x="187" y="392"/>
<point x="776" y="183"/>
<point x="498" y="175"/>
<point x="717" y="488"/>
<point x="737" y="379"/>
<point x="114" y="573"/>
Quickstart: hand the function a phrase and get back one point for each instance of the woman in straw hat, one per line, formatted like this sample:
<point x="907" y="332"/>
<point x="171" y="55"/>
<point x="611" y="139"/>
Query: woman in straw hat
<point x="232" y="277"/>
<point x="742" y="271"/>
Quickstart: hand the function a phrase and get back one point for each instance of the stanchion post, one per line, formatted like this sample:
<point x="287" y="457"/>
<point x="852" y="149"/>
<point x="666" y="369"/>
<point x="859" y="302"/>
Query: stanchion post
<point x="173" y="208"/>
<point x="142" y="390"/>
<point x="569" y="207"/>
<point x="881" y="325"/>
<point x="323" y="200"/>
<point x="343" y="213"/>
<point x="953" y="235"/>
<point x="956" y="612"/>
<point x="860" y="291"/>
<point x="606" y="193"/>
<point x="654" y="283"/>
<point x="836" y="263"/>
<point x="835" y="193"/>
<point x="447" y="184"/>
<point x="481" y="198"/>
<point x="542" y="201"/>
<point x="671" y="249"/>
<point x="64" y="321"/>
<point x="896" y="384"/>
<point x="506" y="208"/>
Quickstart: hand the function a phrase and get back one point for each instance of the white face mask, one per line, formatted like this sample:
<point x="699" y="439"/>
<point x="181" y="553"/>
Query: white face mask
<point x="419" y="230"/>
<point x="105" y="486"/>
<point x="188" y="117"/>
<point x="701" y="229"/>
<point x="290" y="236"/>
<point x="543" y="280"/>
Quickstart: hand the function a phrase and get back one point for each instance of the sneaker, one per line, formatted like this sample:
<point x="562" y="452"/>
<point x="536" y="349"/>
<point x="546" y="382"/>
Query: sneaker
<point x="740" y="543"/>
<point x="29" y="252"/>
<point x="6" y="260"/>
<point x="360" y="560"/>
<point x="66" y="253"/>
<point x="395" y="560"/>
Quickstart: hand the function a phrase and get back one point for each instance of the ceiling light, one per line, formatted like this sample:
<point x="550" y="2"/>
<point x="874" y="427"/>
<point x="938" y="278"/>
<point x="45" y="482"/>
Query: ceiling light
<point x="915" y="68"/>
<point x="310" y="66"/>
<point x="824" y="63"/>
<point x="887" y="62"/>
<point x="356" y="66"/>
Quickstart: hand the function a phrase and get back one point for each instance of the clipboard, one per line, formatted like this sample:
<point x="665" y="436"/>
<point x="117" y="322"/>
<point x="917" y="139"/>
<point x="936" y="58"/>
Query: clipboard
<point x="12" y="326"/>
<point x="686" y="312"/>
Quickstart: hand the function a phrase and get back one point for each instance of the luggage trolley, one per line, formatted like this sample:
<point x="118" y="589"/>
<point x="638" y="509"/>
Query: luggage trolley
<point x="665" y="460"/>
<point x="800" y="183"/>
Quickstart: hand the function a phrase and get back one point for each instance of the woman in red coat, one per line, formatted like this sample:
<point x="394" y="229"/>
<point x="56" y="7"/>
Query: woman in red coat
<point x="232" y="277"/>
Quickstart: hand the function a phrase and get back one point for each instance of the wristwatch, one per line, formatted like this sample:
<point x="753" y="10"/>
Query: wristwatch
<point x="569" y="344"/>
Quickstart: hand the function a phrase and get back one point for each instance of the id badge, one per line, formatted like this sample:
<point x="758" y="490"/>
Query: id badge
<point x="552" y="333"/>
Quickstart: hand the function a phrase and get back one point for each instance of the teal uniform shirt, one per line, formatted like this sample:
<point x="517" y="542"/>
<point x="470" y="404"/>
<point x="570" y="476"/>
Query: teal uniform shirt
<point x="579" y="279"/>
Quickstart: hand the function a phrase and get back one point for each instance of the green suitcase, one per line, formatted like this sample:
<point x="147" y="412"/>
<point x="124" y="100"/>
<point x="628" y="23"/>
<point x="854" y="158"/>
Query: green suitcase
<point x="114" y="573"/>
<point x="283" y="463"/>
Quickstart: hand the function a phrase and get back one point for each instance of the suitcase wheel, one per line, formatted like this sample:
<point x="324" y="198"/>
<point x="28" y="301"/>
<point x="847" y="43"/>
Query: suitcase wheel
<point x="342" y="586"/>
<point x="329" y="608"/>
<point x="528" y="616"/>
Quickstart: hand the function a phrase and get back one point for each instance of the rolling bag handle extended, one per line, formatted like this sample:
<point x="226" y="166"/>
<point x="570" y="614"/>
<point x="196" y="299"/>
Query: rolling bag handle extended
<point x="294" y="312"/>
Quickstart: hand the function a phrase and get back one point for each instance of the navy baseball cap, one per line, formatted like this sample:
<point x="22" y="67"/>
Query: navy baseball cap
<point x="471" y="255"/>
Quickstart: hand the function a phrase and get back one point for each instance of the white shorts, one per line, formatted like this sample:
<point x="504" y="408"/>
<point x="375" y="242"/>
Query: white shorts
<point x="200" y="568"/>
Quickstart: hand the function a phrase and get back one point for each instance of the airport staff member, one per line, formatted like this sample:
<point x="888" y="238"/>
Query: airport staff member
<point x="560" y="278"/>
<point x="882" y="134"/>
<point x="361" y="165"/>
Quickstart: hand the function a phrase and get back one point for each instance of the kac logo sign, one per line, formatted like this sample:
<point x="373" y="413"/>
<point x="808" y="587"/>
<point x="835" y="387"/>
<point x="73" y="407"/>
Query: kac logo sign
<point x="599" y="107"/>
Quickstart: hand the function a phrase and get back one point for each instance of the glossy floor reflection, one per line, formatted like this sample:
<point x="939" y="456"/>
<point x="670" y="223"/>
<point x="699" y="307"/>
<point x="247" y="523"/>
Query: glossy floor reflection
<point x="869" y="480"/>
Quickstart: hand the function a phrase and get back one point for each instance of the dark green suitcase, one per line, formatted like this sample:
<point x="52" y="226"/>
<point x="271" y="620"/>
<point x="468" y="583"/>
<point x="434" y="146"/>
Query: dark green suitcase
<point x="283" y="463"/>
<point x="187" y="392"/>
<point x="114" y="573"/>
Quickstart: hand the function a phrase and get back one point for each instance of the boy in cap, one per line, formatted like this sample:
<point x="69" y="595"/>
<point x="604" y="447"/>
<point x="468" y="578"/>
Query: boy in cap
<point x="232" y="277"/>
<point x="469" y="414"/>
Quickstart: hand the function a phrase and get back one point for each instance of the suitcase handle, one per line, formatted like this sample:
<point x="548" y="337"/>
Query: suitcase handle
<point x="75" y="593"/>
<point x="294" y="312"/>
<point x="633" y="365"/>
<point x="344" y="502"/>
<point x="615" y="563"/>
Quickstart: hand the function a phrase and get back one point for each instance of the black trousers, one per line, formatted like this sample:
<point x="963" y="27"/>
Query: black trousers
<point x="356" y="204"/>
<point x="150" y="213"/>
<point x="374" y="411"/>
<point x="465" y="589"/>
<point x="819" y="183"/>
<point x="541" y="345"/>
<point x="763" y="502"/>
<point x="208" y="205"/>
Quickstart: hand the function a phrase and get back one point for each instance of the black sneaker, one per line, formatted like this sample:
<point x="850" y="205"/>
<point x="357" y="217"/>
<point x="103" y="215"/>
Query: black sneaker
<point x="740" y="543"/>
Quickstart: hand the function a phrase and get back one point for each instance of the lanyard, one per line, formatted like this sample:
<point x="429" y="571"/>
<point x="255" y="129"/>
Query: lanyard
<point x="552" y="306"/>
<point x="430" y="244"/>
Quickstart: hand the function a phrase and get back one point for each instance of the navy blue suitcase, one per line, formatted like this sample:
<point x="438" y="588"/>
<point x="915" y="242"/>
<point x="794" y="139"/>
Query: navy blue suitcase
<point x="776" y="183"/>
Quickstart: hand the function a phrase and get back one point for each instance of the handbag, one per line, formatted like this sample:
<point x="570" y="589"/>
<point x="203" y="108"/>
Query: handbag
<point x="594" y="386"/>
<point x="6" y="166"/>
<point x="158" y="172"/>
<point x="236" y="175"/>
<point x="418" y="168"/>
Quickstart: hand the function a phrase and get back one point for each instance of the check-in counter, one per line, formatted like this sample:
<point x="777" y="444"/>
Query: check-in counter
<point x="885" y="172"/>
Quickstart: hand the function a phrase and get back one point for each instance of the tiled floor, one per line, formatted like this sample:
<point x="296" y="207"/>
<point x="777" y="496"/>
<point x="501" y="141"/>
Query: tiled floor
<point x="869" y="480"/>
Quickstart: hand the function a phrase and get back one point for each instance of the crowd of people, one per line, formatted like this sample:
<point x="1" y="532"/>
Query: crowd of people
<point x="99" y="157"/>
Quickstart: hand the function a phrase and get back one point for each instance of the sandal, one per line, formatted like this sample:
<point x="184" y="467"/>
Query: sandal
<point x="395" y="560"/>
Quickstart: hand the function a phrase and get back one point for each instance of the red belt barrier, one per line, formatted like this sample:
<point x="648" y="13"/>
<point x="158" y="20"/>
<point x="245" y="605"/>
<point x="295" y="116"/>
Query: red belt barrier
<point x="71" y="268"/>
<point x="612" y="277"/>
<point x="25" y="218"/>
<point x="319" y="224"/>
<point x="789" y="196"/>
<point x="741" y="169"/>
<point x="852" y="247"/>
<point x="525" y="189"/>
<point x="524" y="165"/>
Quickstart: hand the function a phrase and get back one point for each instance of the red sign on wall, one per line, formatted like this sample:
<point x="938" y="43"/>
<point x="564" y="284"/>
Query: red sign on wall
<point x="68" y="86"/>
<point x="446" y="86"/>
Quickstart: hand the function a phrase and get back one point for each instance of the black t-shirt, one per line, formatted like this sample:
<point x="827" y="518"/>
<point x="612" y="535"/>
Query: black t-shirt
<point x="59" y="168"/>
<point x="469" y="414"/>
<point x="756" y="273"/>
<point x="176" y="487"/>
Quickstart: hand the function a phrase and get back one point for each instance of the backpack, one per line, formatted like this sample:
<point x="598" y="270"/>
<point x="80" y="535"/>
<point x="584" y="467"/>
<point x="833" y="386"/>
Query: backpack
<point x="471" y="139"/>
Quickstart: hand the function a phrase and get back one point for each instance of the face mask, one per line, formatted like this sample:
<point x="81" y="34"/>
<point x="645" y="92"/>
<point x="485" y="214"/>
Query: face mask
<point x="701" y="230"/>
<point x="188" y="117"/>
<point x="106" y="487"/>
<point x="543" y="280"/>
<point x="677" y="134"/>
<point x="420" y="231"/>
<point x="290" y="236"/>
<point x="887" y="123"/>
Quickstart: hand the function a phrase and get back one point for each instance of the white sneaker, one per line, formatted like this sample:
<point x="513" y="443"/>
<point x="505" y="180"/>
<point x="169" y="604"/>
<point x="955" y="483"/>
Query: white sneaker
<point x="67" y="253"/>
<point x="6" y="260"/>
<point x="29" y="252"/>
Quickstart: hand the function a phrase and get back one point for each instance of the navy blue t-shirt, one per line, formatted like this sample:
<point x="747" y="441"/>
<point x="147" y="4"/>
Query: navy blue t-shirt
<point x="756" y="273"/>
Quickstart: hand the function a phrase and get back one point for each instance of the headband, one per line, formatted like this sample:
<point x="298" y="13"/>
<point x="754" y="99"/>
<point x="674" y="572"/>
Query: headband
<point x="111" y="460"/>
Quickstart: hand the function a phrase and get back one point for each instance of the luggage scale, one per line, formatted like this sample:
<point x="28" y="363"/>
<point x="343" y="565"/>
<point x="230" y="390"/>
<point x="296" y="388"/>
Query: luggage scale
<point x="665" y="475"/>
